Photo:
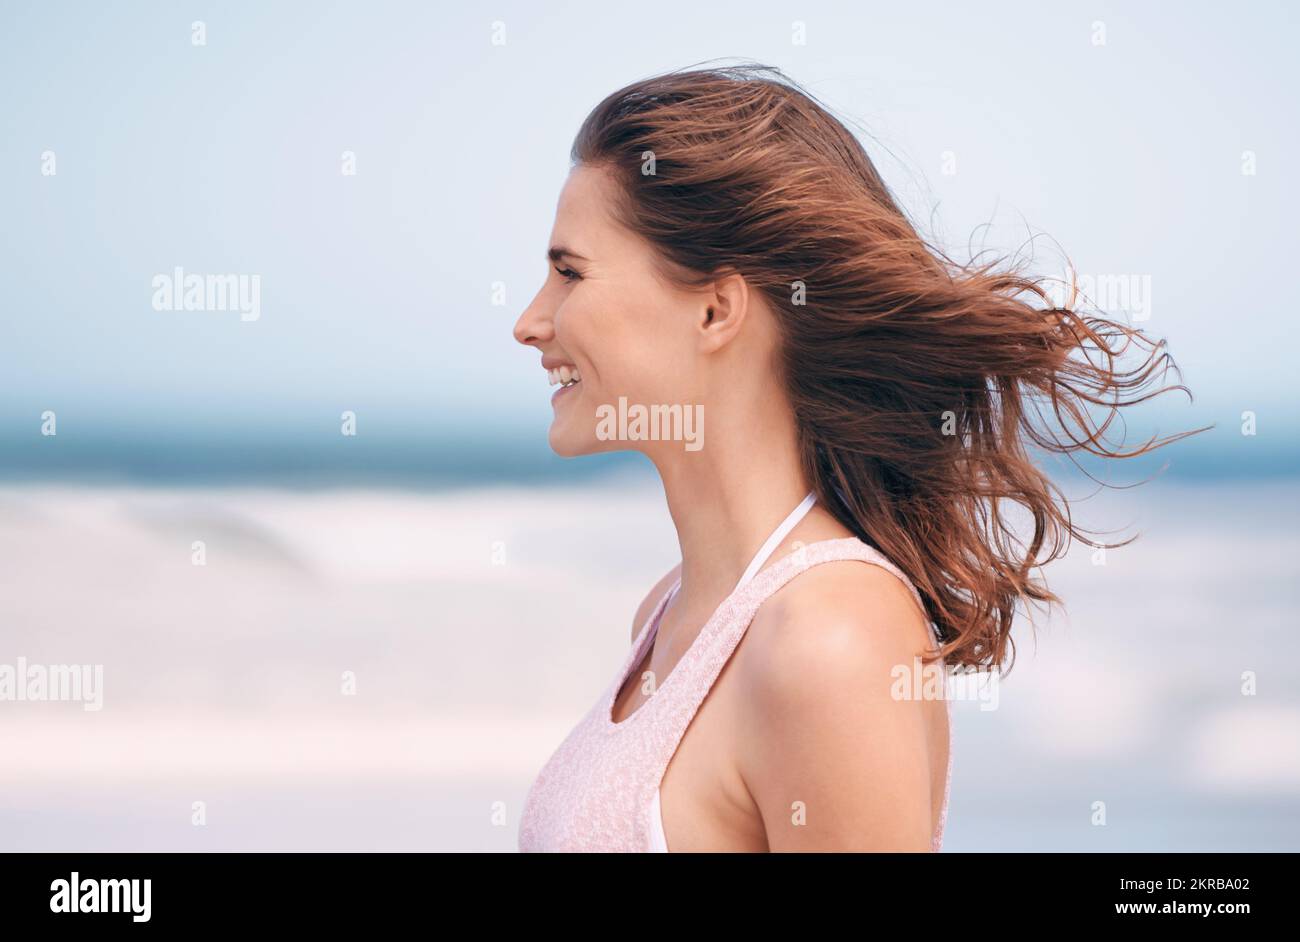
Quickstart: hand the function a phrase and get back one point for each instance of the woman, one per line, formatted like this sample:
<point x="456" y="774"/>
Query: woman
<point x="725" y="258"/>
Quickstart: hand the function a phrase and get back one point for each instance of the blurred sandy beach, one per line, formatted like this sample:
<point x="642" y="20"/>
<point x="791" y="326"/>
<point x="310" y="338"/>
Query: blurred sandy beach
<point x="480" y="624"/>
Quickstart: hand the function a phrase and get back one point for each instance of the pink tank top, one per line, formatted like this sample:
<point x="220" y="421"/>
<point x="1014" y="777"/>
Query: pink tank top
<point x="599" y="792"/>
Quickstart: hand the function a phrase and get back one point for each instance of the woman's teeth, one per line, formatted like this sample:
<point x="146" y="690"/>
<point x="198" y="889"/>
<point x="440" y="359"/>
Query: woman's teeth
<point x="564" y="376"/>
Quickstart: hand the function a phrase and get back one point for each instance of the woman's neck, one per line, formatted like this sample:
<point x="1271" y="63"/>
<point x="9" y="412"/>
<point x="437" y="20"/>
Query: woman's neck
<point x="727" y="498"/>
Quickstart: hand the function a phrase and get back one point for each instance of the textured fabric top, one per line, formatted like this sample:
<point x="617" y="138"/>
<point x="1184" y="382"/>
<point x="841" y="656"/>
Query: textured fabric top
<point x="596" y="792"/>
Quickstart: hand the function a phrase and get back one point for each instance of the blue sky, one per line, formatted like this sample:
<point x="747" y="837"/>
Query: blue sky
<point x="376" y="288"/>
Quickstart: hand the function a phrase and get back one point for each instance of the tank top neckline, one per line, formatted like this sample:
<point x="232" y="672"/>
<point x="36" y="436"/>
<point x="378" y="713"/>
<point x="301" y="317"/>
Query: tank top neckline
<point x="651" y="628"/>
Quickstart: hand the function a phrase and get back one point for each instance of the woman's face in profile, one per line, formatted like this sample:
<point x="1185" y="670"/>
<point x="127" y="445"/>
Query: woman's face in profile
<point x="604" y="316"/>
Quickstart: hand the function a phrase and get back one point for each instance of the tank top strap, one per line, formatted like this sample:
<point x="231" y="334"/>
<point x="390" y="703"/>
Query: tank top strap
<point x="829" y="551"/>
<point x="719" y="638"/>
<point x="767" y="549"/>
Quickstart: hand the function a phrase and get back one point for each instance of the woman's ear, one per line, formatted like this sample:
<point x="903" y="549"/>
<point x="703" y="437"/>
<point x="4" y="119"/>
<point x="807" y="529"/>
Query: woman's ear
<point x="726" y="305"/>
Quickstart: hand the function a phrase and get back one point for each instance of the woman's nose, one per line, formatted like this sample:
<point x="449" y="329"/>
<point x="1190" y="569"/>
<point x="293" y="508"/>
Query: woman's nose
<point x="534" y="325"/>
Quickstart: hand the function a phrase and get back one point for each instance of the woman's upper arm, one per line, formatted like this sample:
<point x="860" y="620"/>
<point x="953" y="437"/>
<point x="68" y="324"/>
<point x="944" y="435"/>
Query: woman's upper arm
<point x="832" y="759"/>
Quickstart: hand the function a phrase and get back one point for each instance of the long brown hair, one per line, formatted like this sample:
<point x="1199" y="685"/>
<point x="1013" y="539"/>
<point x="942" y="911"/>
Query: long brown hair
<point x="917" y="383"/>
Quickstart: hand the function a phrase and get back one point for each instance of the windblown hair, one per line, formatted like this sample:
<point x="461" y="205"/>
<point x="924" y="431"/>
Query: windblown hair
<point x="918" y="384"/>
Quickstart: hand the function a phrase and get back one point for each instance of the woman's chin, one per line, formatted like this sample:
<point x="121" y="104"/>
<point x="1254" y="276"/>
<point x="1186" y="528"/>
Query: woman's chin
<point x="573" y="443"/>
<point x="569" y="444"/>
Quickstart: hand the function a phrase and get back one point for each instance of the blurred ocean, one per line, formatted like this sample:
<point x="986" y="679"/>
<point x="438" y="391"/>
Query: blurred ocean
<point x="480" y="622"/>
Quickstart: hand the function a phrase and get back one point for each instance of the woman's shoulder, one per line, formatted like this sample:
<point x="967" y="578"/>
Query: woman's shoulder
<point x="652" y="598"/>
<point x="822" y="717"/>
<point x="847" y="615"/>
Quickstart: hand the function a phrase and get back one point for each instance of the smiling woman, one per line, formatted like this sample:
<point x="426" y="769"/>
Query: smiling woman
<point x="724" y="243"/>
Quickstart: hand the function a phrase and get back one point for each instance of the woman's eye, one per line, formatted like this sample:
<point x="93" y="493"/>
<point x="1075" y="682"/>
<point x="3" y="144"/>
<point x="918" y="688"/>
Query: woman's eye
<point x="568" y="274"/>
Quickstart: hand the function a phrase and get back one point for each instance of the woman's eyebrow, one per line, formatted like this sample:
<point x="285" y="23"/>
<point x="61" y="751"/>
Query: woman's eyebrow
<point x="556" y="252"/>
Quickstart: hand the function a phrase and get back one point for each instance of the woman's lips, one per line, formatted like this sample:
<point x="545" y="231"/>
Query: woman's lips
<point x="564" y="391"/>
